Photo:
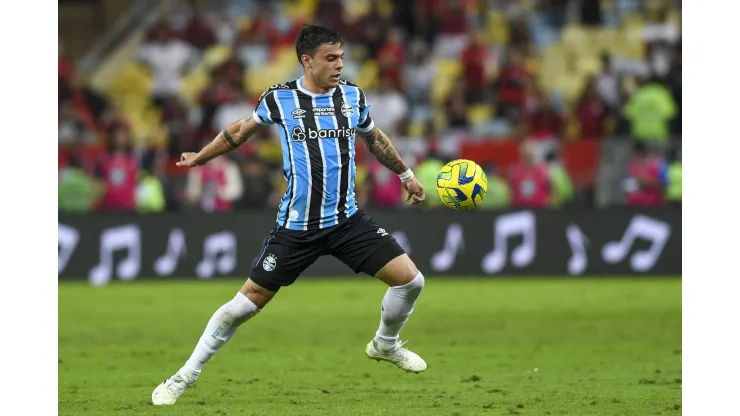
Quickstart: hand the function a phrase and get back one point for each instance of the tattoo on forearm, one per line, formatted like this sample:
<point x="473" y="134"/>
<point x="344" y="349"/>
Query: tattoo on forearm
<point x="239" y="137"/>
<point x="379" y="144"/>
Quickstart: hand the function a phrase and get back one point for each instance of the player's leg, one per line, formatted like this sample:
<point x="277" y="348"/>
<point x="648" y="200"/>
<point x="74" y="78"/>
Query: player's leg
<point x="405" y="283"/>
<point x="279" y="264"/>
<point x="365" y="247"/>
<point x="247" y="303"/>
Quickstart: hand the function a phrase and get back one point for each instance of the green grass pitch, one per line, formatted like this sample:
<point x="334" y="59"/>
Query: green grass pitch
<point x="493" y="347"/>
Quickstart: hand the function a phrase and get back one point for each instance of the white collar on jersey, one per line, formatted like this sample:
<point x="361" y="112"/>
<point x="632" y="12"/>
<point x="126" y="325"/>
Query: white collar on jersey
<point x="312" y="94"/>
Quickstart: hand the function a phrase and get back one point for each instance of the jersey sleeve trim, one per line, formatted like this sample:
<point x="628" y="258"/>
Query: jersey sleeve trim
<point x="367" y="128"/>
<point x="259" y="119"/>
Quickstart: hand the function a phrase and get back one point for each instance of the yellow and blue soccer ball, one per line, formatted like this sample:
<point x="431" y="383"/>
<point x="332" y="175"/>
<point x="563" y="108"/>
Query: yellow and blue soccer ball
<point x="462" y="184"/>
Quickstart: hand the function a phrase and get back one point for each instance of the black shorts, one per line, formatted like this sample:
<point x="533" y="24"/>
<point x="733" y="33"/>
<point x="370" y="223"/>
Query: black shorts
<point x="357" y="242"/>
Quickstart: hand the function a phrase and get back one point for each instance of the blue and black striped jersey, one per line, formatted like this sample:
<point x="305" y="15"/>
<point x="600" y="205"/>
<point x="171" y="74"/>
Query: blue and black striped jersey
<point x="317" y="133"/>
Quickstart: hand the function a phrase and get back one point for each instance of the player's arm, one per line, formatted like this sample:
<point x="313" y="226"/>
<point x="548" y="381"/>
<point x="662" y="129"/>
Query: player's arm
<point x="228" y="139"/>
<point x="380" y="145"/>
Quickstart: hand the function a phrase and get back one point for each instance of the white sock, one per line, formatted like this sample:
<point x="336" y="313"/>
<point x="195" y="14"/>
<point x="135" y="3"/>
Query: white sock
<point x="220" y="328"/>
<point x="398" y="304"/>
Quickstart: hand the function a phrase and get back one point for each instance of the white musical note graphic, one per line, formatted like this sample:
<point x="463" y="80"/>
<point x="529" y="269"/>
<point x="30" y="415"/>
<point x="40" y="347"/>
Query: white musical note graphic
<point x="68" y="238"/>
<point x="579" y="259"/>
<point x="444" y="259"/>
<point x="176" y="247"/>
<point x="219" y="254"/>
<point x="402" y="241"/>
<point x="126" y="237"/>
<point x="641" y="226"/>
<point x="506" y="226"/>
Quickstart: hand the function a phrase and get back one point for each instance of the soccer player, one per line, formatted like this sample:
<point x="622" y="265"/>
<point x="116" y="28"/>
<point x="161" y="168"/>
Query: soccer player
<point x="319" y="116"/>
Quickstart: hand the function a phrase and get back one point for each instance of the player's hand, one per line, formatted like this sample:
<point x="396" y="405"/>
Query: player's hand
<point x="415" y="190"/>
<point x="187" y="159"/>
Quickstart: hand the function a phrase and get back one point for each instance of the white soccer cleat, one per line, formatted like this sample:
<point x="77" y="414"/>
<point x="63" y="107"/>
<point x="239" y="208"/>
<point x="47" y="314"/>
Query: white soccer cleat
<point x="396" y="354"/>
<point x="171" y="389"/>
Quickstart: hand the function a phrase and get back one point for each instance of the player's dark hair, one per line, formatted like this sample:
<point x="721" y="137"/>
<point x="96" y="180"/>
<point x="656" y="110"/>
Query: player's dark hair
<point x="311" y="37"/>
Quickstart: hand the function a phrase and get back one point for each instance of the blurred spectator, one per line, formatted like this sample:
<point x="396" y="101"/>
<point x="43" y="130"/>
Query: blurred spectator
<point x="554" y="12"/>
<point x="650" y="110"/>
<point x="260" y="185"/>
<point x="111" y="121"/>
<point x="456" y="105"/>
<point x="215" y="186"/>
<point x="118" y="171"/>
<point x="362" y="185"/>
<point x="90" y="104"/>
<point x="374" y="26"/>
<point x="169" y="58"/>
<point x="261" y="26"/>
<point x="519" y="35"/>
<point x="453" y="27"/>
<point x="499" y="194"/>
<point x="236" y="107"/>
<point x="646" y="178"/>
<point x="674" y="190"/>
<point x="562" y="186"/>
<point x="224" y="27"/>
<point x="391" y="57"/>
<point x="252" y="51"/>
<point x="175" y="113"/>
<point x="419" y="72"/>
<point x="530" y="180"/>
<point x="592" y="113"/>
<point x="477" y="61"/>
<point x="78" y="192"/>
<point x="608" y="83"/>
<point x="590" y="13"/>
<point x="386" y="191"/>
<point x="427" y="172"/>
<point x="66" y="69"/>
<point x="150" y="195"/>
<point x="198" y="31"/>
<point x="545" y="126"/>
<point x="388" y="107"/>
<point x="510" y="86"/>
<point x="673" y="82"/>
<point x="72" y="127"/>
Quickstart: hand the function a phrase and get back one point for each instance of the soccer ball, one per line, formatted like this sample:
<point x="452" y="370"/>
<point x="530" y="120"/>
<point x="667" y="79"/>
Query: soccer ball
<point x="462" y="184"/>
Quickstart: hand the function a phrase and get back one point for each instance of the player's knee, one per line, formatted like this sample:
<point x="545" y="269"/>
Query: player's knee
<point x="259" y="295"/>
<point x="412" y="288"/>
<point x="238" y="310"/>
<point x="398" y="272"/>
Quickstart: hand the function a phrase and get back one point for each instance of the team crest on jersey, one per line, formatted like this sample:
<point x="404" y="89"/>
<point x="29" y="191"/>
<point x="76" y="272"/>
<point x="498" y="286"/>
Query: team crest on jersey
<point x="298" y="113"/>
<point x="347" y="109"/>
<point x="269" y="263"/>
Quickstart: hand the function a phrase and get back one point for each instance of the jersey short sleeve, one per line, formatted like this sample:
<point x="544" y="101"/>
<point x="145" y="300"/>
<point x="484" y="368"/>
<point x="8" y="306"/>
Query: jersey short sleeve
<point x="262" y="114"/>
<point x="365" y="122"/>
<point x="267" y="111"/>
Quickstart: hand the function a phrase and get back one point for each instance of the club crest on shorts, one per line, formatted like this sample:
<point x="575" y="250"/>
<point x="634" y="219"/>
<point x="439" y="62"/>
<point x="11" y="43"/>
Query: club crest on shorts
<point x="269" y="263"/>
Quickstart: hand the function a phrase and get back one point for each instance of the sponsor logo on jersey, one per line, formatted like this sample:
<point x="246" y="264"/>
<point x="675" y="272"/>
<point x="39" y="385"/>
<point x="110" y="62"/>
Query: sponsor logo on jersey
<point x="324" y="111"/>
<point x="300" y="134"/>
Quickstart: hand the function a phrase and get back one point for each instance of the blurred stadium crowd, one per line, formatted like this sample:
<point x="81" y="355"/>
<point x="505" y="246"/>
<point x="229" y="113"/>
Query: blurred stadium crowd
<point x="529" y="89"/>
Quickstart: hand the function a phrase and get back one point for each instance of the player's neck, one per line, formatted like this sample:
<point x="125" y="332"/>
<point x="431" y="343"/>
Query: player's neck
<point x="309" y="83"/>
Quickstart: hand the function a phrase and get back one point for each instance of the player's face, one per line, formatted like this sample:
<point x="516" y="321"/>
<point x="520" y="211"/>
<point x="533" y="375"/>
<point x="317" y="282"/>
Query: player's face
<point x="327" y="65"/>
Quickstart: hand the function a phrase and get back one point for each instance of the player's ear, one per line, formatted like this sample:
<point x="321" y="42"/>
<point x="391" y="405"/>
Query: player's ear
<point x="306" y="60"/>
